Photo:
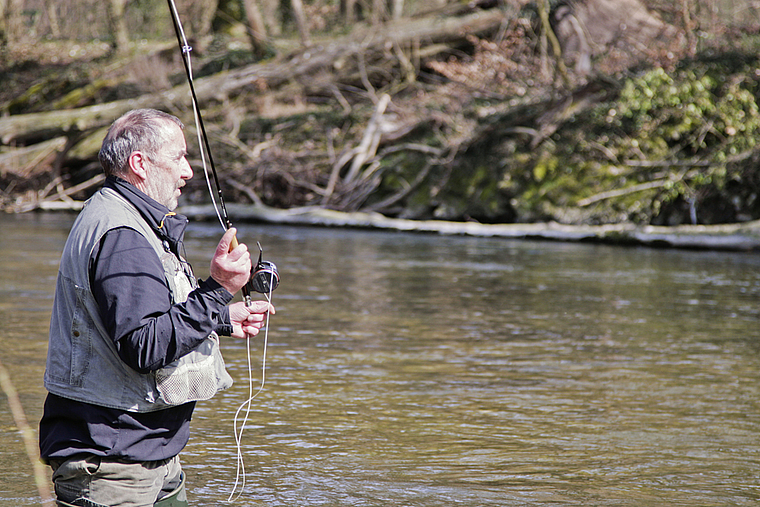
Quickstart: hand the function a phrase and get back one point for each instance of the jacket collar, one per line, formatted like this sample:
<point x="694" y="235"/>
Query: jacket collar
<point x="167" y="225"/>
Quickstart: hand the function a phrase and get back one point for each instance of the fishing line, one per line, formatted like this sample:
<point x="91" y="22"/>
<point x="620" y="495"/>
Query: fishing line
<point x="258" y="283"/>
<point x="240" y="469"/>
<point x="203" y="144"/>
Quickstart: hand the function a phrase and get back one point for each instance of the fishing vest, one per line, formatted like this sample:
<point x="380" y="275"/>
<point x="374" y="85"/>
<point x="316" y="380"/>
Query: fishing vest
<point x="82" y="362"/>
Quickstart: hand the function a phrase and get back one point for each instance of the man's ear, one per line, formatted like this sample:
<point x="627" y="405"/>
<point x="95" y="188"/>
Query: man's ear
<point x="138" y="165"/>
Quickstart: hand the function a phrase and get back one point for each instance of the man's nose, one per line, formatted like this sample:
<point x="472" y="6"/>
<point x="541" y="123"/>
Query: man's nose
<point x="187" y="173"/>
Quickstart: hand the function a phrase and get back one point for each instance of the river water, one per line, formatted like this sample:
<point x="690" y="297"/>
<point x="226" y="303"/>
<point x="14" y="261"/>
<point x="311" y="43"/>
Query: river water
<point x="431" y="371"/>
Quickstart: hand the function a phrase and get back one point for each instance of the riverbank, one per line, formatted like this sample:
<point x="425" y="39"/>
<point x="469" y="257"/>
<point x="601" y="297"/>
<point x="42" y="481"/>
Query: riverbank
<point x="467" y="120"/>
<point x="728" y="237"/>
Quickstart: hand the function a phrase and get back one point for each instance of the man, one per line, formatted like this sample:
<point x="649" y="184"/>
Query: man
<point x="133" y="335"/>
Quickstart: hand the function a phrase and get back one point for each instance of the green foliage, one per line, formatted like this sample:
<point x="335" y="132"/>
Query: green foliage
<point x="665" y="139"/>
<point x="699" y="115"/>
<point x="691" y="113"/>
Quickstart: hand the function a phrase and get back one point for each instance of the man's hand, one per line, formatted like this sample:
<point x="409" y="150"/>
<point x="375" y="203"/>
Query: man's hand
<point x="248" y="320"/>
<point x="231" y="269"/>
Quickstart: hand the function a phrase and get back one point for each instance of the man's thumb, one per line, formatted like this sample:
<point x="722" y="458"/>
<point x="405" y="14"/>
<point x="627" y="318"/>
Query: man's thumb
<point x="224" y="243"/>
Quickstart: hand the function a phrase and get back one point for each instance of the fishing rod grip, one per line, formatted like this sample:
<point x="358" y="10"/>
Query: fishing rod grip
<point x="246" y="293"/>
<point x="233" y="243"/>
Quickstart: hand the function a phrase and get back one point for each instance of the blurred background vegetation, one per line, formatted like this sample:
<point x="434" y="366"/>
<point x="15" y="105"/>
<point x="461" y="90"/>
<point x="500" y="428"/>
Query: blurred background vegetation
<point x="581" y="112"/>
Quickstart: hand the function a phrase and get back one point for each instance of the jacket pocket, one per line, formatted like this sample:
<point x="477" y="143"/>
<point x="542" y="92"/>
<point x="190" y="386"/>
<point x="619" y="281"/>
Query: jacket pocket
<point x="81" y="339"/>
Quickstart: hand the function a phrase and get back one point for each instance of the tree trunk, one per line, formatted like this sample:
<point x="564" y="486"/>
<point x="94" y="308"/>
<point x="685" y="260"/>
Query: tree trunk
<point x="206" y="17"/>
<point x="11" y="22"/>
<point x="55" y="29"/>
<point x="688" y="27"/>
<point x="543" y="11"/>
<point x="349" y="11"/>
<point x="3" y="33"/>
<point x="118" y="25"/>
<point x="398" y="9"/>
<point x="257" y="31"/>
<point x="379" y="12"/>
<point x="303" y="28"/>
<point x="270" y="11"/>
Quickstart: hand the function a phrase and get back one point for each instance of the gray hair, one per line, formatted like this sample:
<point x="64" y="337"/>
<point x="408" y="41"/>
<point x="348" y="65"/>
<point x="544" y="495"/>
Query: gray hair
<point x="138" y="130"/>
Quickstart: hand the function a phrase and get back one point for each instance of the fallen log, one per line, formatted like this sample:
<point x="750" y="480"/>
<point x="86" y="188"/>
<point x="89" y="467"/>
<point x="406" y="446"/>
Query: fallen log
<point x="335" y="56"/>
<point x="58" y="201"/>
<point x="34" y="126"/>
<point x="729" y="237"/>
<point x="25" y="161"/>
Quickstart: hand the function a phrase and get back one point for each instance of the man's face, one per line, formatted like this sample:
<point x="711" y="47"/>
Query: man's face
<point x="168" y="171"/>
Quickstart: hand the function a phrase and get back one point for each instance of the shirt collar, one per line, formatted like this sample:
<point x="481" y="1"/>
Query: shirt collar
<point x="165" y="223"/>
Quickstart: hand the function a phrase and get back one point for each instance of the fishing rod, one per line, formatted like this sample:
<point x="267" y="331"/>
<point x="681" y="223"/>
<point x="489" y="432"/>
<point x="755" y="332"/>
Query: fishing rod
<point x="185" y="49"/>
<point x="264" y="275"/>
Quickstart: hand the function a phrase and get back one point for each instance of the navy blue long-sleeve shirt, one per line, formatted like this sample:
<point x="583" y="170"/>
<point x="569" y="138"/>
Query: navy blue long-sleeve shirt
<point x="128" y="282"/>
<point x="150" y="332"/>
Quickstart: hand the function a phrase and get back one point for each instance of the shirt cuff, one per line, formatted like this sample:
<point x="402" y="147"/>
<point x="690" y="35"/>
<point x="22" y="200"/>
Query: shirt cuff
<point x="224" y="325"/>
<point x="222" y="322"/>
<point x="210" y="287"/>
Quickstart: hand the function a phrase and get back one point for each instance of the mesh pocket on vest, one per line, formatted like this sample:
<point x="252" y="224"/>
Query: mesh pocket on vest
<point x="194" y="377"/>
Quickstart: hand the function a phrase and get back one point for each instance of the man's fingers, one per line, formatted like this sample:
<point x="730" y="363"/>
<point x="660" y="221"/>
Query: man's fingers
<point x="261" y="307"/>
<point x="251" y="331"/>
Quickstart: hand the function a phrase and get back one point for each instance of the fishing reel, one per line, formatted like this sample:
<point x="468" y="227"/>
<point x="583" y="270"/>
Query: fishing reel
<point x="264" y="275"/>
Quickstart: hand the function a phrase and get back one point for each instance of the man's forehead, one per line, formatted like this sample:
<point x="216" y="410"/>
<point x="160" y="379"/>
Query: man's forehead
<point x="177" y="136"/>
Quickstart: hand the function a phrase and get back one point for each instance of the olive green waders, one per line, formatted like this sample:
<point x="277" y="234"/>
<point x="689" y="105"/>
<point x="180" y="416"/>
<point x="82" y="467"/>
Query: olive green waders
<point x="176" y="498"/>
